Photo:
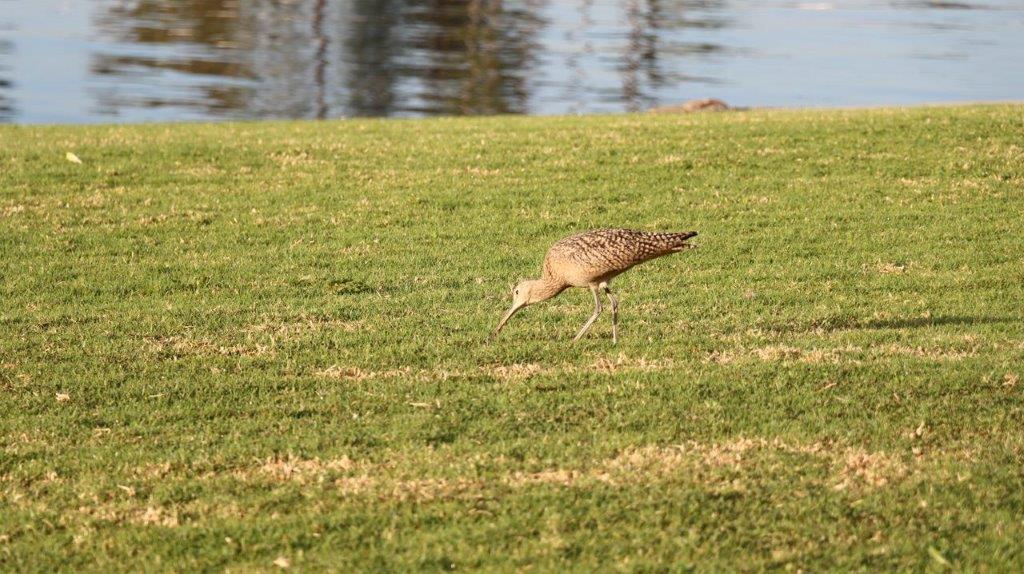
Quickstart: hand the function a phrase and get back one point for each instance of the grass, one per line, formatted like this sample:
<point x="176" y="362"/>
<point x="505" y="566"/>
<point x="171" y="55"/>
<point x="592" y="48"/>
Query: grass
<point x="258" y="346"/>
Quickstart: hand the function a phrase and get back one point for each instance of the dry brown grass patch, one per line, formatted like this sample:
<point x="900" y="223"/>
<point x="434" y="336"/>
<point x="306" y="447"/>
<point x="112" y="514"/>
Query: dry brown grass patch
<point x="517" y="371"/>
<point x="9" y="210"/>
<point x="512" y="372"/>
<point x="290" y="468"/>
<point x="625" y="363"/>
<point x="850" y="354"/>
<point x="782" y="354"/>
<point x="116" y="513"/>
<point x="851" y="468"/>
<point x="558" y="476"/>
<point x="777" y="353"/>
<point x="357" y="374"/>
<point x="156" y="516"/>
<point x="302" y="326"/>
<point x="860" y="468"/>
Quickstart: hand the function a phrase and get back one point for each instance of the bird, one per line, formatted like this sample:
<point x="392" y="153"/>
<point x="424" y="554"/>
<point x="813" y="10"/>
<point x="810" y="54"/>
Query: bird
<point x="592" y="259"/>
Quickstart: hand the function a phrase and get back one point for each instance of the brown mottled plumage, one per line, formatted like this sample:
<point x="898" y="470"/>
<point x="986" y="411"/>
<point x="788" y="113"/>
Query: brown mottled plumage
<point x="591" y="259"/>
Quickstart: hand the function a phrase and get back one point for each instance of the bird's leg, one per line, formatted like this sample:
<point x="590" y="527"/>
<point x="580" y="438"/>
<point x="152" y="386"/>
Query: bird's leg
<point x="590" y="321"/>
<point x="615" y="313"/>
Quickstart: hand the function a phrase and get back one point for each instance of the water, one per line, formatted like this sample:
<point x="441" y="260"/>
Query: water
<point x="81" y="61"/>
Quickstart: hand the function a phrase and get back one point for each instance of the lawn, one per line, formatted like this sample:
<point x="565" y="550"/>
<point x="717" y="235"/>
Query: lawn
<point x="263" y="346"/>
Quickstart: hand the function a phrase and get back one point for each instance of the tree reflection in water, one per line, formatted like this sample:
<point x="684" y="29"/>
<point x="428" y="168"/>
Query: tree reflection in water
<point x="6" y="102"/>
<point x="324" y="58"/>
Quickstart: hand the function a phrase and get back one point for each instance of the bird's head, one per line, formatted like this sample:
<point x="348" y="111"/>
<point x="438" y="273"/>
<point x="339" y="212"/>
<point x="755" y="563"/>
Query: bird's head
<point x="525" y="293"/>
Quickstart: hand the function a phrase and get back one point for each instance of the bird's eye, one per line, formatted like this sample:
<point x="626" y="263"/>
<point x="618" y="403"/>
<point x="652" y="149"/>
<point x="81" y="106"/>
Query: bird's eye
<point x="516" y="292"/>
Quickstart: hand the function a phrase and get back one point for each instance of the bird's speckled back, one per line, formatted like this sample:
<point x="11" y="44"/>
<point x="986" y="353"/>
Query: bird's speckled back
<point x="598" y="255"/>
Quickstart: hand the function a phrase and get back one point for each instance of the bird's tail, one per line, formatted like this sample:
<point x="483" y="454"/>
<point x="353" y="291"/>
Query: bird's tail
<point x="677" y="241"/>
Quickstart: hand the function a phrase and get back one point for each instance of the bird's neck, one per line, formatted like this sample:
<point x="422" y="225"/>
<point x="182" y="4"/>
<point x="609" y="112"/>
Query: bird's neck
<point x="546" y="288"/>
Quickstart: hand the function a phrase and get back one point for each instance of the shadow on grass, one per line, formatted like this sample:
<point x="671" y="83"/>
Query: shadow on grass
<point x="833" y="324"/>
<point x="941" y="320"/>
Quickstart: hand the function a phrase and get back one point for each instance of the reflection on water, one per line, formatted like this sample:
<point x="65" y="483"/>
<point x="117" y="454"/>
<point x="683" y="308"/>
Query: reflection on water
<point x="136" y="60"/>
<point x="6" y="47"/>
<point x="317" y="58"/>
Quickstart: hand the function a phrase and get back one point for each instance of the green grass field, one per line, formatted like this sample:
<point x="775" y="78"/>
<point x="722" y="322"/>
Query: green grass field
<point x="264" y="345"/>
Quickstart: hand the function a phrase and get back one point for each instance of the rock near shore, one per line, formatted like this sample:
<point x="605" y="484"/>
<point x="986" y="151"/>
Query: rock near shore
<point x="701" y="105"/>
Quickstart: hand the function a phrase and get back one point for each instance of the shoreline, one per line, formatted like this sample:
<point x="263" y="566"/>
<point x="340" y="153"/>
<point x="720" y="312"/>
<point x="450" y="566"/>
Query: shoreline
<point x="663" y="110"/>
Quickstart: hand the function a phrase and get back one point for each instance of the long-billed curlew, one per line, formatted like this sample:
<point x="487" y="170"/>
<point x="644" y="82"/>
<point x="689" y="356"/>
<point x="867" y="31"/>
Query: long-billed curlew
<point x="591" y="259"/>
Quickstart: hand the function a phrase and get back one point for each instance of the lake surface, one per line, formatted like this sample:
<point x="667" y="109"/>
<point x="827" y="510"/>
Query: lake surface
<point x="84" y="61"/>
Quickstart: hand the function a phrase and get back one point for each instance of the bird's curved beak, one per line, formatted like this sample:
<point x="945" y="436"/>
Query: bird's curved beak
<point x="508" y="315"/>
